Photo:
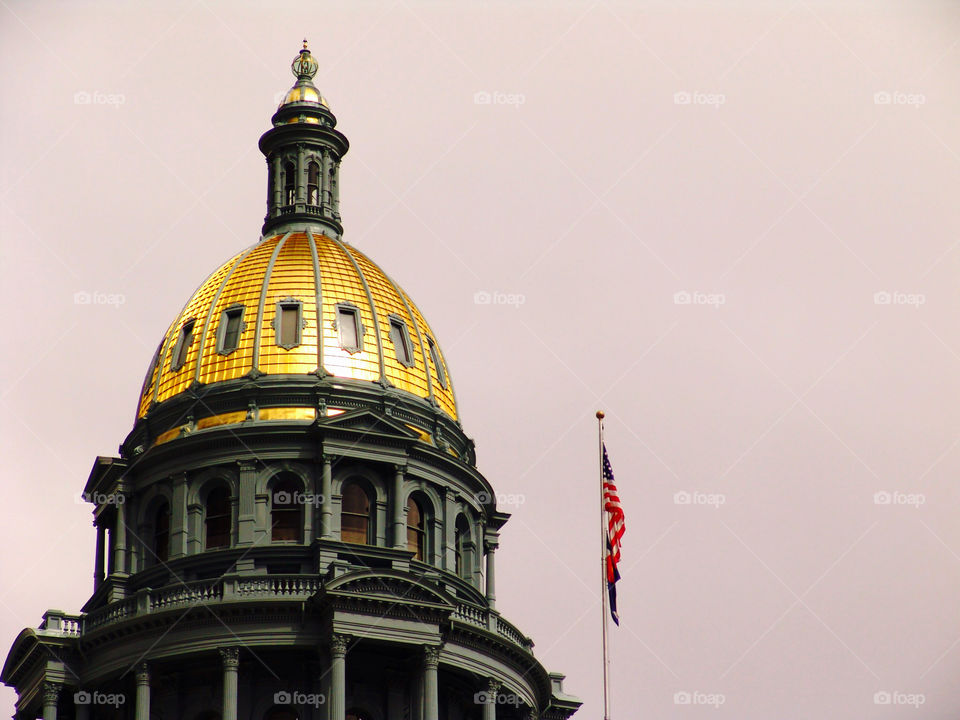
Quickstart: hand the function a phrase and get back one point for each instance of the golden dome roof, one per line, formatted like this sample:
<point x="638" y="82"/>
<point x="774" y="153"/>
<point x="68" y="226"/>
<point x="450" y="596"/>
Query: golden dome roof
<point x="237" y="324"/>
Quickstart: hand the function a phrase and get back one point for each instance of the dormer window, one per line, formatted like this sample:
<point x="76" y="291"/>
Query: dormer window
<point x="349" y="328"/>
<point x="288" y="323"/>
<point x="438" y="366"/>
<point x="228" y="334"/>
<point x="401" y="341"/>
<point x="180" y="350"/>
<point x="313" y="184"/>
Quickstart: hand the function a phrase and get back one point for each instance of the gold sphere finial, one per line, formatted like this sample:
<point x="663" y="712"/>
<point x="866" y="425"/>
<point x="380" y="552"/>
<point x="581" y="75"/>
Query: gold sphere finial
<point x="600" y="415"/>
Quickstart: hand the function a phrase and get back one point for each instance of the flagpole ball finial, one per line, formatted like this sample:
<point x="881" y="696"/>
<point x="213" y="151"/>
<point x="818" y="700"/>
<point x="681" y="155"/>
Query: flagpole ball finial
<point x="600" y="415"/>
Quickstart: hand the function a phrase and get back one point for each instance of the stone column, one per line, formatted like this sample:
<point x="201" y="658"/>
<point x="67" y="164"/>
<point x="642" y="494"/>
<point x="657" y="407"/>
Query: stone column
<point x="301" y="189"/>
<point x="178" y="517"/>
<point x="491" y="548"/>
<point x="431" y="703"/>
<point x="120" y="546"/>
<point x="194" y="528"/>
<point x="51" y="692"/>
<point x="246" y="515"/>
<point x="325" y="183"/>
<point x="82" y="712"/>
<point x="98" y="560"/>
<point x="491" y="691"/>
<point x="142" y="676"/>
<point x="326" y="506"/>
<point x="338" y="677"/>
<point x="449" y="530"/>
<point x="277" y="189"/>
<point x="231" y="663"/>
<point x="399" y="519"/>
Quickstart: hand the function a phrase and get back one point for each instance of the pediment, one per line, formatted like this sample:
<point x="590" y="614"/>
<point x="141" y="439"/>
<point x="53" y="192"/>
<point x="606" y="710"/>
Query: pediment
<point x="390" y="586"/>
<point x="371" y="423"/>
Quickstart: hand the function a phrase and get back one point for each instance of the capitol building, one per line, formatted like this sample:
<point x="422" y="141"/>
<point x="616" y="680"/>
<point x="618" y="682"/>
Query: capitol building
<point x="295" y="527"/>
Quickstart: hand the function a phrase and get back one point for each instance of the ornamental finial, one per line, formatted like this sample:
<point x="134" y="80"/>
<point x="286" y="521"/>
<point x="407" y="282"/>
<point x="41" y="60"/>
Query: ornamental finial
<point x="304" y="66"/>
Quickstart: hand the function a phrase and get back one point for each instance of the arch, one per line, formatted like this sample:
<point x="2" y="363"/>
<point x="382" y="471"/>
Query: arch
<point x="313" y="183"/>
<point x="463" y="547"/>
<point x="420" y="514"/>
<point x="148" y="507"/>
<point x="217" y="517"/>
<point x="357" y="512"/>
<point x="286" y="507"/>
<point x="289" y="182"/>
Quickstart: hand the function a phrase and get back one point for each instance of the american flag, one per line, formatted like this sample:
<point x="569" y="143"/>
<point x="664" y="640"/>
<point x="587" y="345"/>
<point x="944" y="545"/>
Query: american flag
<point x="615" y="528"/>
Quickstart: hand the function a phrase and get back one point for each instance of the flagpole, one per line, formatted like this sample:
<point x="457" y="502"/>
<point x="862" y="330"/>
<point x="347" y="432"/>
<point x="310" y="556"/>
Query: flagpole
<point x="603" y="575"/>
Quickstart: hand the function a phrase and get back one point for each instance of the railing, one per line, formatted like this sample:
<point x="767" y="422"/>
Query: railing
<point x="282" y="586"/>
<point x="111" y="613"/>
<point x="242" y="588"/>
<point x="186" y="594"/>
<point x="479" y="617"/>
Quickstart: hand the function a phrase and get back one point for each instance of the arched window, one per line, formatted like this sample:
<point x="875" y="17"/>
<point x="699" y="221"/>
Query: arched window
<point x="289" y="183"/>
<point x="286" y="513"/>
<point x="281" y="713"/>
<point x="161" y="533"/>
<point x="355" y="525"/>
<point x="218" y="518"/>
<point x="313" y="184"/>
<point x="461" y="537"/>
<point x="416" y="530"/>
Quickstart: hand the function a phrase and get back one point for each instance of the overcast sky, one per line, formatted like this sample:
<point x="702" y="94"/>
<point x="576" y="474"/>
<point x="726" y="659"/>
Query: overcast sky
<point x="784" y="434"/>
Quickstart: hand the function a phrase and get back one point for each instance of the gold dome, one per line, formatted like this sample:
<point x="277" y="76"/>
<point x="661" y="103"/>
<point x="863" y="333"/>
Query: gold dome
<point x="292" y="275"/>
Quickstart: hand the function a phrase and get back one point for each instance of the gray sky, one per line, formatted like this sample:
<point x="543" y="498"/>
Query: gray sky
<point x="782" y="163"/>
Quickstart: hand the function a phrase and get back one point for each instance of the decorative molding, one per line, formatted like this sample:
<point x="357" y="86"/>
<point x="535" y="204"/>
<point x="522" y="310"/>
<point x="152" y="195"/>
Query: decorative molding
<point x="431" y="656"/>
<point x="51" y="691"/>
<point x="338" y="645"/>
<point x="230" y="657"/>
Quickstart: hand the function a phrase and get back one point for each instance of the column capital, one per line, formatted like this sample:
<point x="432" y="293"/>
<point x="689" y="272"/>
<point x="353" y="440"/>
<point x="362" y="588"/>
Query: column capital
<point x="491" y="544"/>
<point x="338" y="645"/>
<point x="431" y="656"/>
<point x="230" y="657"/>
<point x="493" y="687"/>
<point x="142" y="674"/>
<point x="51" y="691"/>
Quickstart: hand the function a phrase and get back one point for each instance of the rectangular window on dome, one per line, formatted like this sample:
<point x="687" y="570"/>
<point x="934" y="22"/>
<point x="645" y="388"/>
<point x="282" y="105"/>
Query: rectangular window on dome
<point x="435" y="356"/>
<point x="401" y="341"/>
<point x="348" y="328"/>
<point x="182" y="347"/>
<point x="287" y="324"/>
<point x="231" y="325"/>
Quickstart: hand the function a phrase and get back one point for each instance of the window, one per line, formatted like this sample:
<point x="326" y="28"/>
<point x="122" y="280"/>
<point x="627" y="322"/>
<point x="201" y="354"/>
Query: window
<point x="182" y="347"/>
<point x="286" y="514"/>
<point x="231" y="325"/>
<point x="287" y="323"/>
<point x="218" y="518"/>
<point x="401" y="341"/>
<point x="460" y="539"/>
<point x="355" y="523"/>
<point x="349" y="328"/>
<point x="161" y="533"/>
<point x="416" y="530"/>
<point x="289" y="183"/>
<point x="313" y="185"/>
<point x="435" y="356"/>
